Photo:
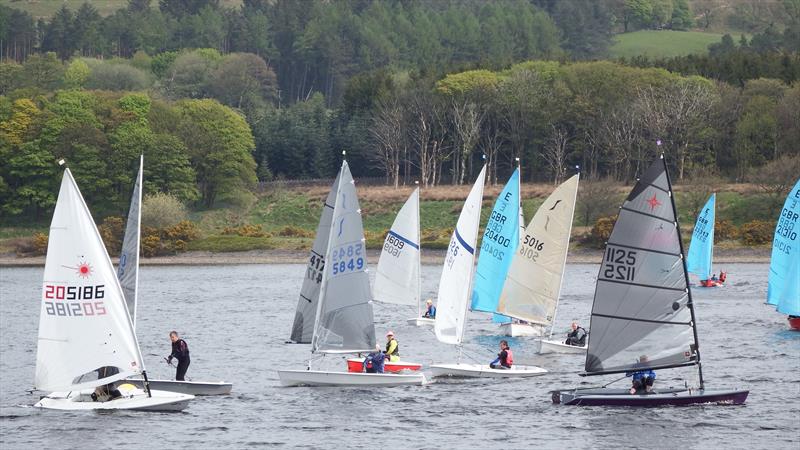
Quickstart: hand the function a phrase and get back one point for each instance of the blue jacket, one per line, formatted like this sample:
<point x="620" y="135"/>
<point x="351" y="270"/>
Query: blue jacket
<point x="639" y="374"/>
<point x="374" y="359"/>
<point x="430" y="312"/>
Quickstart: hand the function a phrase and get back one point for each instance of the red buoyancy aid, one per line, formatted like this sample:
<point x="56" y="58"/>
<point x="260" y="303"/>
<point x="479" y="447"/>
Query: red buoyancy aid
<point x="509" y="357"/>
<point x="722" y="276"/>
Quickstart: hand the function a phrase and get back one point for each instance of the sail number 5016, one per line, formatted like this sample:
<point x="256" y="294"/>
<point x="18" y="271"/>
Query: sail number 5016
<point x="619" y="264"/>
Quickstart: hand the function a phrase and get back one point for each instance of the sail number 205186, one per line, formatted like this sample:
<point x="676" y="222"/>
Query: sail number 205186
<point x="619" y="264"/>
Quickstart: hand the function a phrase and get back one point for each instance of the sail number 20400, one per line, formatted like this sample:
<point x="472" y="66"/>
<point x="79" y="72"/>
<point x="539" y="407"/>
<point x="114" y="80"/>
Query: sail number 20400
<point x="619" y="264"/>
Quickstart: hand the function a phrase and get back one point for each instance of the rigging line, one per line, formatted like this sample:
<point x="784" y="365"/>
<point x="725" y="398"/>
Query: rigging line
<point x="636" y="211"/>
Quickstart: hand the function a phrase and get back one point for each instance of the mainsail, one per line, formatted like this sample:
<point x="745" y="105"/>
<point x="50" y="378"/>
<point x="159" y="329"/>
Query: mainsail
<point x="397" y="279"/>
<point x="344" y="312"/>
<point x="499" y="243"/>
<point x="701" y="249"/>
<point x="533" y="285"/>
<point x="642" y="303"/>
<point x="456" y="279"/>
<point x="128" y="267"/>
<point x="784" y="269"/>
<point x="86" y="337"/>
<point x="303" y="327"/>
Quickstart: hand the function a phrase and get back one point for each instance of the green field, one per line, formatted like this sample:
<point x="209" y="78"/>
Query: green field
<point x="662" y="43"/>
<point x="46" y="8"/>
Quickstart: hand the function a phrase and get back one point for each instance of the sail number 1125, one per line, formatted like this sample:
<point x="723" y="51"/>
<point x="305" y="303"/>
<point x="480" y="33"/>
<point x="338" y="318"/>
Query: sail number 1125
<point x="619" y="264"/>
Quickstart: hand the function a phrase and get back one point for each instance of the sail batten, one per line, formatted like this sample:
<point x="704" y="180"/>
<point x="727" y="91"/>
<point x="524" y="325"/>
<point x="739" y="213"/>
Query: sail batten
<point x="642" y="315"/>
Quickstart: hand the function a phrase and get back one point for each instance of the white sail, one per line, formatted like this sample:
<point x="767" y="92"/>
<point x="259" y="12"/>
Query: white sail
<point x="398" y="279"/>
<point x="128" y="267"/>
<point x="84" y="326"/>
<point x="533" y="284"/>
<point x="455" y="285"/>
<point x="344" y="321"/>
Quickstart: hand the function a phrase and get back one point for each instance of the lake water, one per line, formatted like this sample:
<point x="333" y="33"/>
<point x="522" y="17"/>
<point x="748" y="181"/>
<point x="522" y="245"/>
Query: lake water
<point x="237" y="318"/>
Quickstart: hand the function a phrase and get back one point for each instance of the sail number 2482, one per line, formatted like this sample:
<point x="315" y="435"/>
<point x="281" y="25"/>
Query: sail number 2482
<point x="619" y="264"/>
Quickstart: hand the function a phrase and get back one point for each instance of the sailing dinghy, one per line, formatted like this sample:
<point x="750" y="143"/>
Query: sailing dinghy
<point x="784" y="268"/>
<point x="397" y="279"/>
<point x="701" y="248"/>
<point x="531" y="290"/>
<point x="86" y="338"/>
<point x="500" y="242"/>
<point x="643" y="304"/>
<point x="343" y="319"/>
<point x="128" y="274"/>
<point x="455" y="289"/>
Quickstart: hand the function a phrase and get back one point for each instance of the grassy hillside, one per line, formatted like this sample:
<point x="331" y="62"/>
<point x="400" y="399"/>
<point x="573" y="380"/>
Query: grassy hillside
<point x="46" y="8"/>
<point x="662" y="43"/>
<point x="288" y="217"/>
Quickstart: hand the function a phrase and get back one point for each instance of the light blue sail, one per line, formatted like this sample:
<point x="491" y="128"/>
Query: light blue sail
<point x="784" y="270"/>
<point x="701" y="249"/>
<point x="500" y="241"/>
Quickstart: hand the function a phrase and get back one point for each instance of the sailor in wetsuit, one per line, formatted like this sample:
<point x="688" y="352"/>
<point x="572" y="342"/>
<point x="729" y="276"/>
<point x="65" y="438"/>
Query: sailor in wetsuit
<point x="373" y="363"/>
<point x="180" y="351"/>
<point x="505" y="359"/>
<point x="642" y="379"/>
<point x="577" y="336"/>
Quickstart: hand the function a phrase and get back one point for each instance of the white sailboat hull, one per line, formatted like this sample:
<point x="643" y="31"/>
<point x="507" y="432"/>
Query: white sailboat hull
<point x="186" y="387"/>
<point x="548" y="346"/>
<point x="135" y="400"/>
<point x="484" y="371"/>
<point x="325" y="378"/>
<point x="521" y="330"/>
<point x="421" y="322"/>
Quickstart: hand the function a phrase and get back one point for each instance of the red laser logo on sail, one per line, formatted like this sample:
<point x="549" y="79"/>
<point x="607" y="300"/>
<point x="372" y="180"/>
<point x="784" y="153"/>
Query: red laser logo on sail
<point x="653" y="202"/>
<point x="84" y="269"/>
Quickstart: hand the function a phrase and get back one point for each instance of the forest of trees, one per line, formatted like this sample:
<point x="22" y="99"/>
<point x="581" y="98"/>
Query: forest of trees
<point x="218" y="98"/>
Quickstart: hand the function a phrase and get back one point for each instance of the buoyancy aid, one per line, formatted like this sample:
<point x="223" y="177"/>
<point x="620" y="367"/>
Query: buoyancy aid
<point x="393" y="350"/>
<point x="509" y="358"/>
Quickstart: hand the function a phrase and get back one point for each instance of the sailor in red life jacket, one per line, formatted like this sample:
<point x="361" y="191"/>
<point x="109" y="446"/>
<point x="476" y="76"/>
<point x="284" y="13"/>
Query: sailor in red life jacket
<point x="505" y="359"/>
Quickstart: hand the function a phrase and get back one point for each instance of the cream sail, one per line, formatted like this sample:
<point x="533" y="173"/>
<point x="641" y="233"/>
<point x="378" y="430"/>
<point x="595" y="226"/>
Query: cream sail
<point x="398" y="276"/>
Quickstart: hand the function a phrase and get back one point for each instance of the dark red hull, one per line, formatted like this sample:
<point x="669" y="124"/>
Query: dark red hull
<point x="794" y="323"/>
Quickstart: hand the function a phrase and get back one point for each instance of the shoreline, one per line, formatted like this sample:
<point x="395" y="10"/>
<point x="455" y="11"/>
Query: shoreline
<point x="744" y="255"/>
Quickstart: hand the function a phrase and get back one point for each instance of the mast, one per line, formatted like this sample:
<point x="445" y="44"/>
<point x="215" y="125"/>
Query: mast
<point x="690" y="303"/>
<point x="419" y="257"/>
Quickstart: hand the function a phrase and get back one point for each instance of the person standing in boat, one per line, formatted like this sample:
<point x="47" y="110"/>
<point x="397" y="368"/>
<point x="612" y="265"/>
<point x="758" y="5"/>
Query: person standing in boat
<point x="505" y="359"/>
<point x="180" y="351"/>
<point x="392" y="347"/>
<point x="642" y="379"/>
<point x="430" y="312"/>
<point x="373" y="363"/>
<point x="577" y="336"/>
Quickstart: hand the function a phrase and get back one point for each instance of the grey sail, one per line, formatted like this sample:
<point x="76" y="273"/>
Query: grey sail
<point x="128" y="267"/>
<point x="303" y="327"/>
<point x="642" y="303"/>
<point x="344" y="314"/>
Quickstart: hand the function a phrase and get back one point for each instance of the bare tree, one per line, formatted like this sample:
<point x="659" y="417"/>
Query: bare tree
<point x="388" y="132"/>
<point x="621" y="138"/>
<point x="555" y="152"/>
<point x="703" y="181"/>
<point x="597" y="199"/>
<point x="428" y="132"/>
<point x="467" y="118"/>
<point x="675" y="115"/>
<point x="775" y="179"/>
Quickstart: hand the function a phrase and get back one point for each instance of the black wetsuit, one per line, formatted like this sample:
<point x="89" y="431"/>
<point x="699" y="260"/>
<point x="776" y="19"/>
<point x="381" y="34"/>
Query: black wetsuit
<point x="180" y="351"/>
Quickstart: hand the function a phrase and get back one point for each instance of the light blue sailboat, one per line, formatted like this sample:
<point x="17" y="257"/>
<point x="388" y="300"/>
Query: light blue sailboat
<point x="701" y="249"/>
<point x="784" y="270"/>
<point x="500" y="241"/>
